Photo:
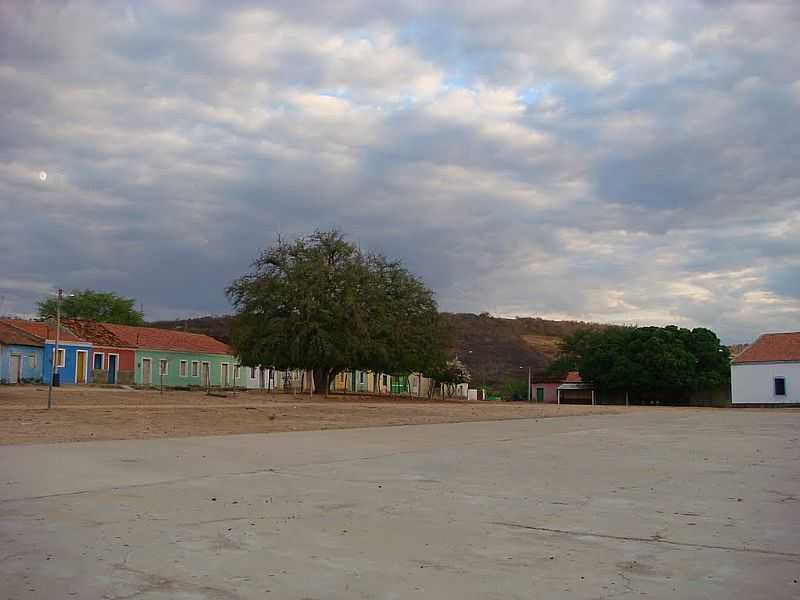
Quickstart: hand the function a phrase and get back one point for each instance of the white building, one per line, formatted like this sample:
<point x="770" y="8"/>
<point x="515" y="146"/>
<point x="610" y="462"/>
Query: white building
<point x="768" y="372"/>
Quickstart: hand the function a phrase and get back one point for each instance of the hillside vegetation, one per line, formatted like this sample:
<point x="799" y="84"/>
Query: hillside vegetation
<point x="496" y="350"/>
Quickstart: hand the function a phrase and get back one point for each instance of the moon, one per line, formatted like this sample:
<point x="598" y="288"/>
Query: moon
<point x="42" y="175"/>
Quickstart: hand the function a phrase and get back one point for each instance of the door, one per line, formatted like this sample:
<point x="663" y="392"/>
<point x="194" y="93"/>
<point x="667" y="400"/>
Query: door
<point x="16" y="368"/>
<point x="539" y="394"/>
<point x="147" y="371"/>
<point x="206" y="374"/>
<point x="261" y="381"/>
<point x="80" y="366"/>
<point x="112" y="368"/>
<point x="224" y="375"/>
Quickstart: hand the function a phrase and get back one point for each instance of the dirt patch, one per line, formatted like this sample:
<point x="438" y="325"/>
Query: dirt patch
<point x="101" y="414"/>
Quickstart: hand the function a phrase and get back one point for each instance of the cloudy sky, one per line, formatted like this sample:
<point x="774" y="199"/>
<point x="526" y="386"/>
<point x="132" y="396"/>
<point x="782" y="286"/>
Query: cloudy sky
<point x="632" y="162"/>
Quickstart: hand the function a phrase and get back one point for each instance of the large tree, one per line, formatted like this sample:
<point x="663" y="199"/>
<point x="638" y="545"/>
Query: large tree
<point x="647" y="359"/>
<point x="320" y="303"/>
<point x="106" y="307"/>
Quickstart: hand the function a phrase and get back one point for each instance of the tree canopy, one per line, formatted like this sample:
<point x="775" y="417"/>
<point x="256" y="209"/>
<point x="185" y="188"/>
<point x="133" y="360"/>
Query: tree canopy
<point x="647" y="359"/>
<point x="106" y="307"/>
<point x="320" y="303"/>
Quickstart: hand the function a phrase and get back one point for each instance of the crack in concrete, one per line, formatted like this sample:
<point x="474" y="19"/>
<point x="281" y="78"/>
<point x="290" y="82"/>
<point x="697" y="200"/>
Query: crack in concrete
<point x="650" y="540"/>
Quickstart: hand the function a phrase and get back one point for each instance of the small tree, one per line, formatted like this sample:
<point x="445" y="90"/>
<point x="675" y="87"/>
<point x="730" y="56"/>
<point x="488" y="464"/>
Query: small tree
<point x="91" y="305"/>
<point x="448" y="376"/>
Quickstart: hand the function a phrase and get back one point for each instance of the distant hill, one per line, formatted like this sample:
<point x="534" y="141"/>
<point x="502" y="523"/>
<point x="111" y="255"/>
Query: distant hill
<point x="496" y="350"/>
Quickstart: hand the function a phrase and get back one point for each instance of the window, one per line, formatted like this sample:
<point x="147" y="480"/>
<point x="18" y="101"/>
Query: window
<point x="98" y="360"/>
<point x="184" y="368"/>
<point x="61" y="358"/>
<point x="195" y="368"/>
<point x="32" y="361"/>
<point x="780" y="386"/>
<point x="163" y="366"/>
<point x="361" y="377"/>
<point x="252" y="372"/>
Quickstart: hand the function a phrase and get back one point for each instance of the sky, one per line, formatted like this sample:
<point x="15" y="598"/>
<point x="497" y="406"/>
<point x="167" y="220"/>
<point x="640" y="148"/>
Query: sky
<point x="625" y="162"/>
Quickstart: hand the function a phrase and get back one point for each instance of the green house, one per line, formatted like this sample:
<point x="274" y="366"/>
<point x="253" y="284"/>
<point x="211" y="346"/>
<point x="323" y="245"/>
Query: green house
<point x="178" y="358"/>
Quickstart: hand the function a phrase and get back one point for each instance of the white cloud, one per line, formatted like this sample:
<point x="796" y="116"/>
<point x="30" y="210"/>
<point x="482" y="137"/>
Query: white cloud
<point x="592" y="161"/>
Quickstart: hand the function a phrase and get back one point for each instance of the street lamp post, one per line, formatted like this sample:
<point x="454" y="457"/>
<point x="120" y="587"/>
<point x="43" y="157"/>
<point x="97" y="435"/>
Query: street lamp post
<point x="54" y="358"/>
<point x="529" y="382"/>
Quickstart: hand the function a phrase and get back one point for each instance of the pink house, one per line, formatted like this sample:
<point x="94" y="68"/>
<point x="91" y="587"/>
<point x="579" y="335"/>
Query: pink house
<point x="568" y="389"/>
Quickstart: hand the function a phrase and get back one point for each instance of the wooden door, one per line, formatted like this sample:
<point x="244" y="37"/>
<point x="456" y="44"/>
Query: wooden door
<point x="80" y="367"/>
<point x="147" y="371"/>
<point x="206" y="374"/>
<point x="112" y="368"/>
<point x="16" y="368"/>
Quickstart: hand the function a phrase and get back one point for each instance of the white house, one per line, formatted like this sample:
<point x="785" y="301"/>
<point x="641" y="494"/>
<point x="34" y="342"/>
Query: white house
<point x="768" y="372"/>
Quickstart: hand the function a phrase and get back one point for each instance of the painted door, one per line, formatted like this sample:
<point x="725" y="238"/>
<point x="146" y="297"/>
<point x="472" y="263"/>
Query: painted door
<point x="206" y="374"/>
<point x="112" y="368"/>
<point x="224" y="374"/>
<point x="16" y="367"/>
<point x="539" y="394"/>
<point x="147" y="371"/>
<point x="80" y="367"/>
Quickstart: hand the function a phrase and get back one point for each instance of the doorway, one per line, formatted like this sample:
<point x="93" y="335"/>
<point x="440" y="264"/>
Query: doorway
<point x="206" y="374"/>
<point x="147" y="371"/>
<point x="16" y="368"/>
<point x="112" y="368"/>
<point x="223" y="375"/>
<point x="81" y="357"/>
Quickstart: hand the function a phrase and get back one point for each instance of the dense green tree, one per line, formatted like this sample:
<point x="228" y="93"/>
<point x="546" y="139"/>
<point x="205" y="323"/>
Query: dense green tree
<point x="320" y="303"/>
<point x="106" y="307"/>
<point x="647" y="359"/>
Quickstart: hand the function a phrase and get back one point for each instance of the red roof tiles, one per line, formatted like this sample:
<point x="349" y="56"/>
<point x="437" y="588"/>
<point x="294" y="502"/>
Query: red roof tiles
<point x="96" y="333"/>
<point x="772" y="347"/>
<point x="45" y="330"/>
<point x="13" y="335"/>
<point x="167" y="339"/>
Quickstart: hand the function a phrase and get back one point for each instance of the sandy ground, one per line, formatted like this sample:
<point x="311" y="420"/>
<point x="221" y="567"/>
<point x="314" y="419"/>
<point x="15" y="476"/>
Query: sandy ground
<point x="109" y="414"/>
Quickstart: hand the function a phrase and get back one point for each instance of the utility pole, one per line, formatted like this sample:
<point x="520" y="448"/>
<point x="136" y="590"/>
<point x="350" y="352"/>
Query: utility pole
<point x="54" y="358"/>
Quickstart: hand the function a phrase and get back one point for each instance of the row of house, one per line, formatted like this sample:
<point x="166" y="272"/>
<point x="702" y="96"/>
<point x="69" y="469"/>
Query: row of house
<point x="90" y="352"/>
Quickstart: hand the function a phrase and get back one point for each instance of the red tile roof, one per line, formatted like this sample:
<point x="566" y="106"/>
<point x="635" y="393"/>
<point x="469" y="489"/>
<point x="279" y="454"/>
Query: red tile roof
<point x="772" y="347"/>
<point x="167" y="339"/>
<point x="573" y="377"/>
<point x="45" y="330"/>
<point x="12" y="335"/>
<point x="97" y="333"/>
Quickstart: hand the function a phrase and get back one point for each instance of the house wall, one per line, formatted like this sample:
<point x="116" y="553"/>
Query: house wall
<point x="126" y="364"/>
<point x="70" y="361"/>
<point x="173" y="378"/>
<point x="254" y="382"/>
<point x="550" y="392"/>
<point x="753" y="383"/>
<point x="29" y="372"/>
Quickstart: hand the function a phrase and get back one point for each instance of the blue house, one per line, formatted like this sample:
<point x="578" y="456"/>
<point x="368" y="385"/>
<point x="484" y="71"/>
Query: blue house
<point x="20" y="356"/>
<point x="73" y="352"/>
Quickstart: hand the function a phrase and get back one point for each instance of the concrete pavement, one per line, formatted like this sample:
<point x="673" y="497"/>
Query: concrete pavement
<point x="662" y="503"/>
